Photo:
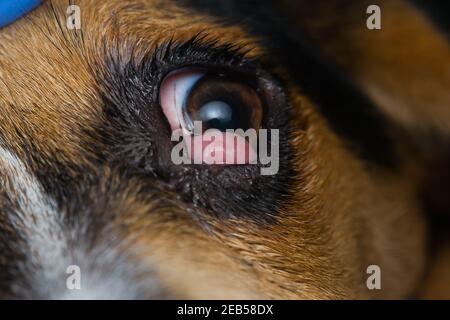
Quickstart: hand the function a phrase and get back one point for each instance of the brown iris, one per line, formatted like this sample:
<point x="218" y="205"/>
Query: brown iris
<point x="222" y="103"/>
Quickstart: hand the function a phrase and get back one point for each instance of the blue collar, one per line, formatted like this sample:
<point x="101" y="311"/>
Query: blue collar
<point x="12" y="10"/>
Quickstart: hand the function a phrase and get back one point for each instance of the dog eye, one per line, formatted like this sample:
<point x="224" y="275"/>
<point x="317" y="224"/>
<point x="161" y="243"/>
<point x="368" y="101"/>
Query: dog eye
<point x="217" y="100"/>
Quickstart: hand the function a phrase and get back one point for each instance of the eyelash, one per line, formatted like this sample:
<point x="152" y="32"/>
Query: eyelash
<point x="197" y="52"/>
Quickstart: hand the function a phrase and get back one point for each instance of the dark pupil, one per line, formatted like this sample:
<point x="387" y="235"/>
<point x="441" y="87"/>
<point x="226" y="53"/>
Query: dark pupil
<point x="218" y="115"/>
<point x="222" y="103"/>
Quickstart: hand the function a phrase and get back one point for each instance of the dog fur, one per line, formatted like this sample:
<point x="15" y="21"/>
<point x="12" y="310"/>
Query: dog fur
<point x="77" y="190"/>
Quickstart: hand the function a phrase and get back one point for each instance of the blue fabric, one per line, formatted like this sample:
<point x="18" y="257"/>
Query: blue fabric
<point x="12" y="10"/>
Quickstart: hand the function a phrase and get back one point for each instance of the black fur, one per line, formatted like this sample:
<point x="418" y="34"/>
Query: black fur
<point x="138" y="136"/>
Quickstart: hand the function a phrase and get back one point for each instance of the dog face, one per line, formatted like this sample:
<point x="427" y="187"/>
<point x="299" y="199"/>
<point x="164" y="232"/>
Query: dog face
<point x="87" y="177"/>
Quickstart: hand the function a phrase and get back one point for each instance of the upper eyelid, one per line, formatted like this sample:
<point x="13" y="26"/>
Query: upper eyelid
<point x="199" y="51"/>
<point x="141" y="68"/>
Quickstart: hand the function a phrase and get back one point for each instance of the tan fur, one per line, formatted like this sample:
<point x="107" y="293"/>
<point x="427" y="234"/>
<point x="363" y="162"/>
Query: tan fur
<point x="403" y="67"/>
<point x="343" y="218"/>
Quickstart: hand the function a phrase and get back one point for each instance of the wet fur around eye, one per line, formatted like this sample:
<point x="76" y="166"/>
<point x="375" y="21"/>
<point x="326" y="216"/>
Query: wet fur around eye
<point x="138" y="134"/>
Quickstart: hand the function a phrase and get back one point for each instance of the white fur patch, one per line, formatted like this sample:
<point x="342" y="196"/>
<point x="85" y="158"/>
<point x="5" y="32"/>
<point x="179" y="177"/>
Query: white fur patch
<point x="51" y="248"/>
<point x="36" y="217"/>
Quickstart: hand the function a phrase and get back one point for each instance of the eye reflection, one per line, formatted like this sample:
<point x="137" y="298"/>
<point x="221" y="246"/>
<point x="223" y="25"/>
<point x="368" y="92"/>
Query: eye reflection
<point x="217" y="114"/>
<point x="219" y="101"/>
